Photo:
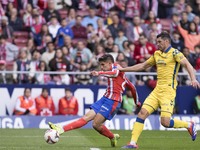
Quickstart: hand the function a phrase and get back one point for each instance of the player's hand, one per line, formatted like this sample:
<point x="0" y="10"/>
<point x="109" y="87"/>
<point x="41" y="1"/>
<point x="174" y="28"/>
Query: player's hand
<point x="94" y="73"/>
<point x="195" y="84"/>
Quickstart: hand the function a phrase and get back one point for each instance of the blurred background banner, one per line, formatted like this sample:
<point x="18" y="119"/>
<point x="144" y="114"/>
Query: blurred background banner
<point x="87" y="95"/>
<point x="119" y="122"/>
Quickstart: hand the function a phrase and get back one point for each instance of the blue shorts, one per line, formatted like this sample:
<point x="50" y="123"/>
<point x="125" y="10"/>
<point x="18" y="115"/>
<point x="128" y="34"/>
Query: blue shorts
<point x="106" y="107"/>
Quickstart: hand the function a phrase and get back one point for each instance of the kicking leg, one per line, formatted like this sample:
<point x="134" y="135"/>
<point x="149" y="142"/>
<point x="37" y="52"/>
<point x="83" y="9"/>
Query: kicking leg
<point x="103" y="130"/>
<point x="76" y="124"/>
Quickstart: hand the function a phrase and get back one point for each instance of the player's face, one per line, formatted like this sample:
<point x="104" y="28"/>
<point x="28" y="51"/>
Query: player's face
<point x="105" y="66"/>
<point x="162" y="44"/>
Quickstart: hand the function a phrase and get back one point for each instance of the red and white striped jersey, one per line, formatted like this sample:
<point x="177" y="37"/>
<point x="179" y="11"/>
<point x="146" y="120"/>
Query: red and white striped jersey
<point x="117" y="82"/>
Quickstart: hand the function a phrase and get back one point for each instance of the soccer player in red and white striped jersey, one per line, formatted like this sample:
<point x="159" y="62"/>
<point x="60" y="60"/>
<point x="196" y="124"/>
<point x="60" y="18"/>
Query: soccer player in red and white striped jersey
<point x="105" y="108"/>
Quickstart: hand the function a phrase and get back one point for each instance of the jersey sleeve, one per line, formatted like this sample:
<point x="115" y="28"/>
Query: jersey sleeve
<point x="151" y="60"/>
<point x="178" y="56"/>
<point x="113" y="73"/>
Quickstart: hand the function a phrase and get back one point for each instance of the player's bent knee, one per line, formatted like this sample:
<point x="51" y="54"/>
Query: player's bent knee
<point x="143" y="114"/>
<point x="165" y="121"/>
<point x="95" y="125"/>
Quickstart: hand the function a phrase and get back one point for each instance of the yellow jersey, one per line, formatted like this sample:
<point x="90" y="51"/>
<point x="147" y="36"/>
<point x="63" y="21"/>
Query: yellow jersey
<point x="168" y="64"/>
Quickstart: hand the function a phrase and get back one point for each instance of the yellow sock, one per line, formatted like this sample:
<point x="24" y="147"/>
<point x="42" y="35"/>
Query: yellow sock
<point x="180" y="124"/>
<point x="137" y="130"/>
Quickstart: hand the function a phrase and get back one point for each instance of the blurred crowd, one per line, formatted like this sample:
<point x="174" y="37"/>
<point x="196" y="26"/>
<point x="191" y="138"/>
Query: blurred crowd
<point x="70" y="35"/>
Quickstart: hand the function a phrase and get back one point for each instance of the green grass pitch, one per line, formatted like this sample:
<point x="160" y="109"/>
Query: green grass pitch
<point x="88" y="139"/>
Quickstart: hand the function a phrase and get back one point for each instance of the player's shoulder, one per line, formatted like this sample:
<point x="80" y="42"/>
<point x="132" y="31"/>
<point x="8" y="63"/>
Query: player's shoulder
<point x="175" y="51"/>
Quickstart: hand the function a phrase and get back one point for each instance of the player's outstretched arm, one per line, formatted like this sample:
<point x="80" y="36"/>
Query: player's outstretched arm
<point x="190" y="70"/>
<point x="138" y="67"/>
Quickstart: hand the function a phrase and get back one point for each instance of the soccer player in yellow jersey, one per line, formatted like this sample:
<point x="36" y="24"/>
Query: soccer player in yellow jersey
<point x="167" y="61"/>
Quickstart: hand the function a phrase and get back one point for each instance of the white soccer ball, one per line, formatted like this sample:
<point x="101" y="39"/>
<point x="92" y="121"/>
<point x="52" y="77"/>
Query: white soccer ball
<point x="51" y="136"/>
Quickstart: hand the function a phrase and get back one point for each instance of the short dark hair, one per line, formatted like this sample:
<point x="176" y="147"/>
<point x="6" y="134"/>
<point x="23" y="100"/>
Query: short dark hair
<point x="68" y="89"/>
<point x="27" y="89"/>
<point x="164" y="35"/>
<point x="45" y="90"/>
<point x="106" y="57"/>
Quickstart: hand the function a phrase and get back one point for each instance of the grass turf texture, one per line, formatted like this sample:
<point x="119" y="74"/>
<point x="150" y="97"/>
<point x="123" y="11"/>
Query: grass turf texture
<point x="85" y="139"/>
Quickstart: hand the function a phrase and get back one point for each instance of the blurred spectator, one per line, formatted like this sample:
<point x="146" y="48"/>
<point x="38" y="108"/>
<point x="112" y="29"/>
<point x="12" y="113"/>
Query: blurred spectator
<point x="60" y="64"/>
<point x="8" y="51"/>
<point x="196" y="104"/>
<point x="132" y="9"/>
<point x="6" y="29"/>
<point x="54" y="27"/>
<point x="120" y="39"/>
<point x="165" y="8"/>
<point x="79" y="30"/>
<point x="153" y="27"/>
<point x="179" y="6"/>
<point x="44" y="104"/>
<point x="2" y="12"/>
<point x="196" y="5"/>
<point x="30" y="47"/>
<point x="71" y="18"/>
<point x="174" y="23"/>
<point x="81" y="55"/>
<point x="68" y="43"/>
<point x="15" y="22"/>
<point x="66" y="53"/>
<point x="191" y="15"/>
<point x="121" y="57"/>
<point x="176" y="41"/>
<point x="184" y="80"/>
<point x="100" y="29"/>
<point x="115" y="51"/>
<point x="68" y="105"/>
<point x="152" y="19"/>
<point x="184" y="21"/>
<point x="22" y="64"/>
<point x="124" y="63"/>
<point x="143" y="49"/>
<point x="49" y="54"/>
<point x="27" y="14"/>
<point x="128" y="106"/>
<point x="25" y="105"/>
<point x="197" y="67"/>
<point x="99" y="51"/>
<point x="4" y="77"/>
<point x="120" y="7"/>
<point x="35" y="61"/>
<point x="197" y="21"/>
<point x="197" y="52"/>
<point x="126" y="49"/>
<point x="133" y="32"/>
<point x="152" y="38"/>
<point x="115" y="26"/>
<point x="91" y="18"/>
<point x="191" y="36"/>
<point x="92" y="38"/>
<point x="147" y="6"/>
<point x="38" y="38"/>
<point x="105" y="6"/>
<point x="109" y="43"/>
<point x="83" y="79"/>
<point x="50" y="11"/>
<point x="37" y="26"/>
<point x="42" y="78"/>
<point x="63" y="31"/>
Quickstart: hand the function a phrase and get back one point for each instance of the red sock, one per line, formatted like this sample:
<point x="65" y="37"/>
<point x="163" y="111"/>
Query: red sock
<point x="104" y="131"/>
<point x="74" y="125"/>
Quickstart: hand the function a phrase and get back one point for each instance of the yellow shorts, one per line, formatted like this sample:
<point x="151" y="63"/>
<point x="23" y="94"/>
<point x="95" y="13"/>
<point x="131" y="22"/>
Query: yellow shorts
<point x="163" y="97"/>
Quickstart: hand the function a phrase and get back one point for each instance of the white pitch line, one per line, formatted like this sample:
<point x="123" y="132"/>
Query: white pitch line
<point x="95" y="149"/>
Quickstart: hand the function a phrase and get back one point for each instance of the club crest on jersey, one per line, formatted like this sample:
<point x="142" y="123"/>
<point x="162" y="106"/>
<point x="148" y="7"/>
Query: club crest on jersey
<point x="175" y="52"/>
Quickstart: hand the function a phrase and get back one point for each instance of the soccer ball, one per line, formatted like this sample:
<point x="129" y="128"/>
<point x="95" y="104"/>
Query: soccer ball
<point x="51" y="136"/>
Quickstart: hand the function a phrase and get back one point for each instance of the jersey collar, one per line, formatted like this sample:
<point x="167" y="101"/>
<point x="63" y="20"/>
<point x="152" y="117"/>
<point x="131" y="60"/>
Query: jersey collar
<point x="167" y="50"/>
